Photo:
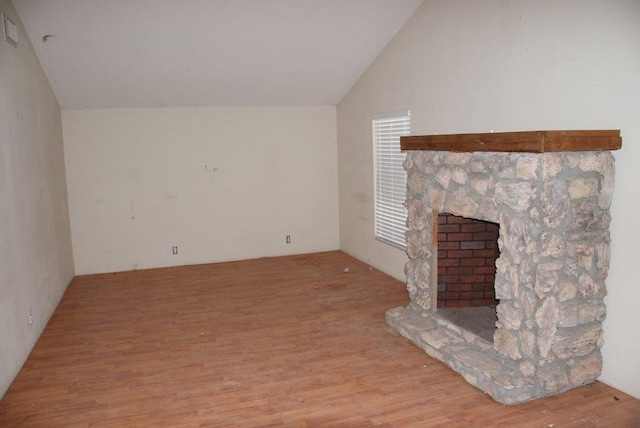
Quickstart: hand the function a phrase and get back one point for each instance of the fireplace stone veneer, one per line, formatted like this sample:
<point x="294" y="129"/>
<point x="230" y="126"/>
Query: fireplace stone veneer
<point x="553" y="212"/>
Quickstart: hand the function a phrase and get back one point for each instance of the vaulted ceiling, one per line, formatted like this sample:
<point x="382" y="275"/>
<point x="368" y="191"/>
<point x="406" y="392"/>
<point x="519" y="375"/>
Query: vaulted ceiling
<point x="150" y="53"/>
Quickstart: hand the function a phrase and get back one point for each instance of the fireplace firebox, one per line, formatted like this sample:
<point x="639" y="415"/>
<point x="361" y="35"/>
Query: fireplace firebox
<point x="550" y="193"/>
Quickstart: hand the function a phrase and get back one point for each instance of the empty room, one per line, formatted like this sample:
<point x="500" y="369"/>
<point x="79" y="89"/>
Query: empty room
<point x="319" y="213"/>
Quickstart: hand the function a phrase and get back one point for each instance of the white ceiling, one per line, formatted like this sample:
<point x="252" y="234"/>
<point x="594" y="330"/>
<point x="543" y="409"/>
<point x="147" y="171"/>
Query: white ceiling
<point x="146" y="53"/>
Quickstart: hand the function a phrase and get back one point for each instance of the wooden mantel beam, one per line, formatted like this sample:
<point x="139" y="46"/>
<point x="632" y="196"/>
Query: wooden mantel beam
<point x="528" y="141"/>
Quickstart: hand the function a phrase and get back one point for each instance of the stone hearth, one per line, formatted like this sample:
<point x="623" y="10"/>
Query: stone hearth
<point x="550" y="193"/>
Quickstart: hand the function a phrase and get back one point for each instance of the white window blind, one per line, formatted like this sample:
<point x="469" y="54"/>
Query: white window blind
<point x="390" y="177"/>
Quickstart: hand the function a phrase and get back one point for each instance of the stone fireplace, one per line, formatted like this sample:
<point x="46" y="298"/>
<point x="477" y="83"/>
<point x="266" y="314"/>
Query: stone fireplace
<point x="549" y="192"/>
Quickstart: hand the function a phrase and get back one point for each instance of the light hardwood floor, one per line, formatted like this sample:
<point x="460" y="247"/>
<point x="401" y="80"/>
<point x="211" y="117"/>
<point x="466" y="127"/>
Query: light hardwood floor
<point x="290" y="341"/>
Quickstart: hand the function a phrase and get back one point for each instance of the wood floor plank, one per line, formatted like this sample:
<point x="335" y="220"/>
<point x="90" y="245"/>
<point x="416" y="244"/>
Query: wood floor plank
<point x="288" y="341"/>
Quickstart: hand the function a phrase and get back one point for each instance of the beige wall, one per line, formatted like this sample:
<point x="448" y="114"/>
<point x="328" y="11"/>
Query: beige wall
<point x="35" y="246"/>
<point x="221" y="183"/>
<point x="470" y="66"/>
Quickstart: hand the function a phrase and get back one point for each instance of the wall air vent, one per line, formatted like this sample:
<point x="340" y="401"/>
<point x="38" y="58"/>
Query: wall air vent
<point x="10" y="30"/>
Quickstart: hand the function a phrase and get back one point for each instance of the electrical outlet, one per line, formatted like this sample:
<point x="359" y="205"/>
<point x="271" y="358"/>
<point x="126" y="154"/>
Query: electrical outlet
<point x="174" y="250"/>
<point x="288" y="239"/>
<point x="30" y="318"/>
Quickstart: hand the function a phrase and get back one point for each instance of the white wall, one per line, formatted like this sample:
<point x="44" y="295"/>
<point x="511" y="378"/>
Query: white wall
<point x="221" y="183"/>
<point x="471" y="66"/>
<point x="35" y="247"/>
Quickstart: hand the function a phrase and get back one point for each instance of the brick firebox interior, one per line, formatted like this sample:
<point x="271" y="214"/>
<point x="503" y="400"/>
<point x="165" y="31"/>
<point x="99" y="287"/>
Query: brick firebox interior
<point x="467" y="253"/>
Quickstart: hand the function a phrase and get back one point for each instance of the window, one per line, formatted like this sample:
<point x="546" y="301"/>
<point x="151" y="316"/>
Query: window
<point x="390" y="177"/>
